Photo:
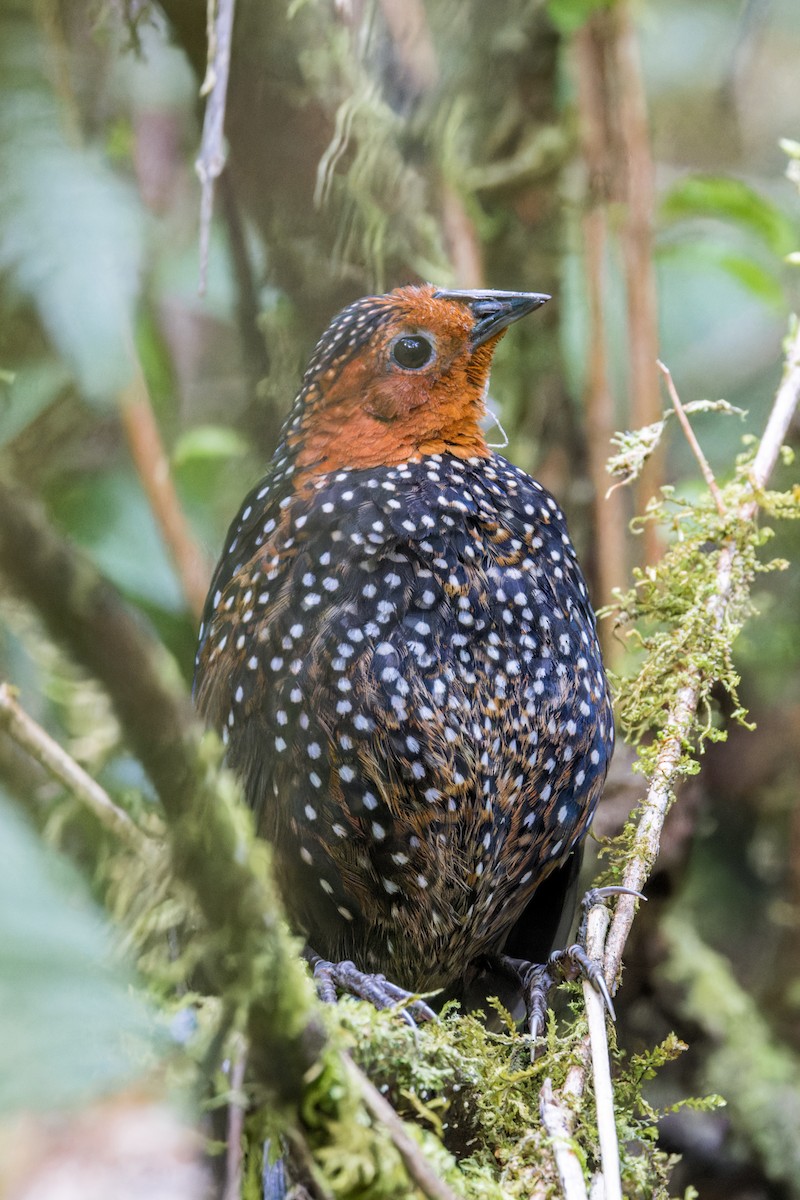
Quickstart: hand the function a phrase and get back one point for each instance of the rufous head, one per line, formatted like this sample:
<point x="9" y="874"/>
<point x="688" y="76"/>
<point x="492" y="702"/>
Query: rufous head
<point x="400" y="376"/>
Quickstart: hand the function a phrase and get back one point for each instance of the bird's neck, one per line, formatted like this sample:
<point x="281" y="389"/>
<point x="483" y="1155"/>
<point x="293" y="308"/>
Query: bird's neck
<point x="360" y="440"/>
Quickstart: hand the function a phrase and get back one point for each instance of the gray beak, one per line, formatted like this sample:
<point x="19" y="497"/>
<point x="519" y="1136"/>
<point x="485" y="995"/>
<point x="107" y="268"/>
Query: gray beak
<point x="493" y="311"/>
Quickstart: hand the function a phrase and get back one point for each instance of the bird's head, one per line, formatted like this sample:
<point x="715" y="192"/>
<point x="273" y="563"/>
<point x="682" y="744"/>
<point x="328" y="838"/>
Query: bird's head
<point x="399" y="376"/>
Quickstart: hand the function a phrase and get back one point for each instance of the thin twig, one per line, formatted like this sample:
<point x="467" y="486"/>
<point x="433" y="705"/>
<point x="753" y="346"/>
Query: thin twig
<point x="211" y="160"/>
<point x="152" y="466"/>
<point x="30" y="737"/>
<point x="236" y="1112"/>
<point x="556" y="1121"/>
<point x="680" y="411"/>
<point x="418" y="1168"/>
<point x="596" y="927"/>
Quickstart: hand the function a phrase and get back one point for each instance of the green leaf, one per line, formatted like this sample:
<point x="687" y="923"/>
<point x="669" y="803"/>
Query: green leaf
<point x="727" y="199"/>
<point x="760" y="280"/>
<point x="70" y="1026"/>
<point x="108" y="515"/>
<point x="31" y="390"/>
<point x="208" y="442"/>
<point x="70" y="229"/>
<point x="569" y="15"/>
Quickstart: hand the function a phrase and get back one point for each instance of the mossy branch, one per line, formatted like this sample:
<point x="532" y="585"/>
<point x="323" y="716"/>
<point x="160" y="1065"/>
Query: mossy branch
<point x="688" y="652"/>
<point x="666" y="761"/>
<point x="246" y="956"/>
<point x="249" y="960"/>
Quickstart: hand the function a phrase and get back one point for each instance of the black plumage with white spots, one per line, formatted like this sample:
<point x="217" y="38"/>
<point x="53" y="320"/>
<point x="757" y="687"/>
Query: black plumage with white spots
<point x="403" y="664"/>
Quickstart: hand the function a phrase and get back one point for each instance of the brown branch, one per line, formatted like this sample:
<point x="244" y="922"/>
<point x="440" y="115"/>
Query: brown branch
<point x="637" y="243"/>
<point x="609" y="519"/>
<point x="461" y="239"/>
<point x="407" y="23"/>
<point x="152" y="466"/>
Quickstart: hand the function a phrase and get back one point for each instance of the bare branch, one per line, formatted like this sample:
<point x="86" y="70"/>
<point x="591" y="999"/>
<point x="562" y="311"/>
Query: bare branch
<point x="782" y="413"/>
<point x="680" y="412"/>
<point x="637" y="241"/>
<point x="609" y="519"/>
<point x="556" y="1119"/>
<point x="596" y="927"/>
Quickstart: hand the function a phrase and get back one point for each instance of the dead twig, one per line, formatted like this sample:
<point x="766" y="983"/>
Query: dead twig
<point x="31" y="738"/>
<point x="557" y="1121"/>
<point x="680" y="411"/>
<point x="596" y="927"/>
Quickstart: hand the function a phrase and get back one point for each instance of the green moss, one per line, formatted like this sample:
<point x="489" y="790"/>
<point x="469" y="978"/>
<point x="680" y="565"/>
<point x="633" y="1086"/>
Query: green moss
<point x="670" y="620"/>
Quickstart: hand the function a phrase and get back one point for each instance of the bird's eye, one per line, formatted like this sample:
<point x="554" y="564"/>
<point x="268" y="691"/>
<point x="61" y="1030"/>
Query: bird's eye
<point x="412" y="351"/>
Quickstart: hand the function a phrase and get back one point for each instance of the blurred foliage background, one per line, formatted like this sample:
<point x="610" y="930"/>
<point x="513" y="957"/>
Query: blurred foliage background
<point x="625" y="160"/>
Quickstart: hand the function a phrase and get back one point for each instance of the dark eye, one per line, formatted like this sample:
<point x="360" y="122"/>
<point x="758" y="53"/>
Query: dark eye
<point x="412" y="351"/>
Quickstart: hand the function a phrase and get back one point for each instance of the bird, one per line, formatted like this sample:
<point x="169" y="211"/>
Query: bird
<point x="399" y="653"/>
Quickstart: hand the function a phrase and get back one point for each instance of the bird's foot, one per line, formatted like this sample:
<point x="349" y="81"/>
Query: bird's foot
<point x="331" y="978"/>
<point x="570" y="963"/>
<point x="538" y="979"/>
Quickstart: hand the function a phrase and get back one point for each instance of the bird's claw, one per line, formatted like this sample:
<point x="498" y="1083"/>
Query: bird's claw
<point x="539" y="979"/>
<point x="331" y="978"/>
<point x="599" y="894"/>
<point x="574" y="961"/>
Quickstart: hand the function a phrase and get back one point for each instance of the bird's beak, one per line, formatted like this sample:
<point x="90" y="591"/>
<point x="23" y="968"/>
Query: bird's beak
<point x="493" y="311"/>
